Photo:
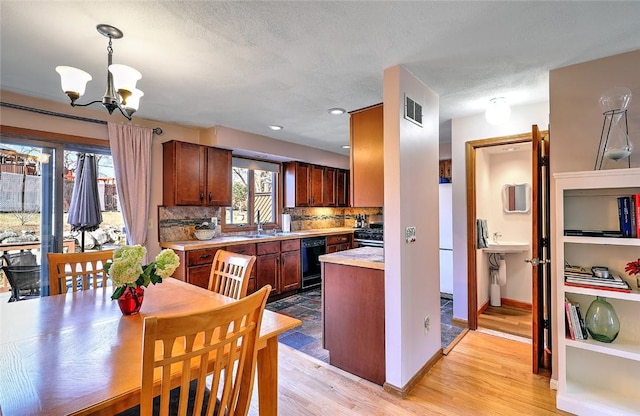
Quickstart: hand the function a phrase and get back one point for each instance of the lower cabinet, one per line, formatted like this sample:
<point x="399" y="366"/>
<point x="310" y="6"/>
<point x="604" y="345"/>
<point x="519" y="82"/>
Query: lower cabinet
<point x="198" y="266"/>
<point x="339" y="242"/>
<point x="278" y="265"/>
<point x="248" y="250"/>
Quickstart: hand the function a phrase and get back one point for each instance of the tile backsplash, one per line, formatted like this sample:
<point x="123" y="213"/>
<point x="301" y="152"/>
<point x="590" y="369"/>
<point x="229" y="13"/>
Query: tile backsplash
<point x="178" y="223"/>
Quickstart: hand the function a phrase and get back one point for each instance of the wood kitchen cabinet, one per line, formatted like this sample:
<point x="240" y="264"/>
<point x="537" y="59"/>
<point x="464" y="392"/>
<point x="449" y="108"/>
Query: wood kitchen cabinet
<point x="195" y="175"/>
<point x="339" y="242"/>
<point x="248" y="249"/>
<point x="195" y="266"/>
<point x="367" y="157"/>
<point x="278" y="265"/>
<point x="342" y="188"/>
<point x="307" y="185"/>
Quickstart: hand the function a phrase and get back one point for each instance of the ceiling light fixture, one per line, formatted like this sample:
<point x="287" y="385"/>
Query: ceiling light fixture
<point x="498" y="111"/>
<point x="120" y="78"/>
<point x="337" y="111"/>
<point x="275" y="127"/>
<point x="346" y="146"/>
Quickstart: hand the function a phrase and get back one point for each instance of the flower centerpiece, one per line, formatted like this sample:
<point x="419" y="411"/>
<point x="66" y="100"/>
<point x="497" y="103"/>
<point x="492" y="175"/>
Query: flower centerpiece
<point x="633" y="268"/>
<point x="130" y="276"/>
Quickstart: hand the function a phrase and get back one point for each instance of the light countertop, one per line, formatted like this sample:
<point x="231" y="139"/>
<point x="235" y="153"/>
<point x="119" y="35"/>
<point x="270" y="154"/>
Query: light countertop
<point x="368" y="257"/>
<point x="244" y="239"/>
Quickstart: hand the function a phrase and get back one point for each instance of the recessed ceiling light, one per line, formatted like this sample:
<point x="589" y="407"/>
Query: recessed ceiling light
<point x="346" y="146"/>
<point x="337" y="111"/>
<point x="275" y="127"/>
<point x="509" y="149"/>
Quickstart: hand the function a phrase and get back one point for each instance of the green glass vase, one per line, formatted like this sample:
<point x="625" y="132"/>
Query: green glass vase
<point x="602" y="321"/>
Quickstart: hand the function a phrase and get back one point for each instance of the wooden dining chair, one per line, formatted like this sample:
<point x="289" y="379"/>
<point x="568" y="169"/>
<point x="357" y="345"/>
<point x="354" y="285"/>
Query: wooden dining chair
<point x="185" y="350"/>
<point x="77" y="271"/>
<point x="230" y="273"/>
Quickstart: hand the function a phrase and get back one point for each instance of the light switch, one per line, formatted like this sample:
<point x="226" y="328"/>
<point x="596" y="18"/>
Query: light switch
<point x="410" y="234"/>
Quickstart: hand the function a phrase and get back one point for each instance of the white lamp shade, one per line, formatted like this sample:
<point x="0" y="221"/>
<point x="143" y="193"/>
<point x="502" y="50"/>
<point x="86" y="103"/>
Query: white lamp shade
<point x="498" y="111"/>
<point x="73" y="79"/>
<point x="124" y="77"/>
<point x="133" y="102"/>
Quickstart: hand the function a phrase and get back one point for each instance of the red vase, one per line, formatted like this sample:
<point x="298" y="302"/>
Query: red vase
<point x="131" y="300"/>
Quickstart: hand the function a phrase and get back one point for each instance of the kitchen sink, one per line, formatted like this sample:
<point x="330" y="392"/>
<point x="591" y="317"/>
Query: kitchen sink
<point x="257" y="235"/>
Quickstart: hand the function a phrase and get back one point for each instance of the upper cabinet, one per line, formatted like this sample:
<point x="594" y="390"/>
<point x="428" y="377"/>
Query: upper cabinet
<point x="195" y="174"/>
<point x="367" y="157"/>
<point x="307" y="185"/>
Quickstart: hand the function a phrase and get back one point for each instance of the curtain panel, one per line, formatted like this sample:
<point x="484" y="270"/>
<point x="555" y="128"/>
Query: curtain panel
<point x="131" y="152"/>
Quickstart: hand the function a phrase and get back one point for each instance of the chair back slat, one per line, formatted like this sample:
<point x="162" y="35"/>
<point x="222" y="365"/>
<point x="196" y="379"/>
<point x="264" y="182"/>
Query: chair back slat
<point x="230" y="273"/>
<point x="219" y="345"/>
<point x="77" y="271"/>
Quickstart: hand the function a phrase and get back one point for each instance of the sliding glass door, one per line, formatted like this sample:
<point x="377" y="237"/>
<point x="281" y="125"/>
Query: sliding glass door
<point x="36" y="185"/>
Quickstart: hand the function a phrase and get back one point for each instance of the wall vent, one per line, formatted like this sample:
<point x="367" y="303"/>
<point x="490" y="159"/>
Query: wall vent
<point x="412" y="111"/>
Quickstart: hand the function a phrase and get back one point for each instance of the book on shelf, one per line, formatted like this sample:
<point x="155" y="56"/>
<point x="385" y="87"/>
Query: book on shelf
<point x="575" y="327"/>
<point x="632" y="217"/>
<point x="593" y="233"/>
<point x="624" y="219"/>
<point x="568" y="321"/>
<point x="636" y="213"/>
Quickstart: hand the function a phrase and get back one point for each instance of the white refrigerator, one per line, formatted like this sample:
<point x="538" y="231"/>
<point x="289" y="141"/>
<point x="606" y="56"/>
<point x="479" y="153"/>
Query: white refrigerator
<point x="446" y="238"/>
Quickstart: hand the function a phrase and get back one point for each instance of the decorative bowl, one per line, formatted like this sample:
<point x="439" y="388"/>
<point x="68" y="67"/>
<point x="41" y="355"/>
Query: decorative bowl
<point x="204" y="234"/>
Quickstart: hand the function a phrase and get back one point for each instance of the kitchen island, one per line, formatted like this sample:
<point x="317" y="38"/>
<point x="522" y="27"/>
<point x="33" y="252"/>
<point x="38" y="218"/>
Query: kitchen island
<point x="353" y="311"/>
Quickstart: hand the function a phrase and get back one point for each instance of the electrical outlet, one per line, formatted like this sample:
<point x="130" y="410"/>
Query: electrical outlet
<point x="214" y="221"/>
<point x="427" y="323"/>
<point x="410" y="234"/>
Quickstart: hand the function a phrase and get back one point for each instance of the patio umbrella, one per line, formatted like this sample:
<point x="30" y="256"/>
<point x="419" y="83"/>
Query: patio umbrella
<point x="84" y="210"/>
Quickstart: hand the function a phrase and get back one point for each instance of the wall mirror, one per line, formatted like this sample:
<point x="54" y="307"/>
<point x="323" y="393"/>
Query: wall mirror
<point x="516" y="198"/>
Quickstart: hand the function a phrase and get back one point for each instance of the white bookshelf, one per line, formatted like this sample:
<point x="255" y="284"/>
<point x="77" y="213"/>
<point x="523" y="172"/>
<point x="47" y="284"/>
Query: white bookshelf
<point x="596" y="378"/>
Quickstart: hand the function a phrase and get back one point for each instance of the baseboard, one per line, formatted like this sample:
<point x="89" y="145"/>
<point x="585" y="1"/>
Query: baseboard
<point x="483" y="308"/>
<point x="463" y="323"/>
<point x="404" y="391"/>
<point x="516" y="304"/>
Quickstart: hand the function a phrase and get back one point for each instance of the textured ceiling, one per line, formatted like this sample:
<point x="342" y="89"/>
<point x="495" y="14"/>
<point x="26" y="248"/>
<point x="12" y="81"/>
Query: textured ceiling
<point x="246" y="65"/>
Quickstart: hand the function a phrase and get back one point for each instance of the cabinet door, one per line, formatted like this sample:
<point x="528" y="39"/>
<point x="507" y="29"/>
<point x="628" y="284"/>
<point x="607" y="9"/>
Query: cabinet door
<point x="290" y="277"/>
<point x="199" y="275"/>
<point x="267" y="268"/>
<point x="184" y="166"/>
<point x="302" y="186"/>
<point x="218" y="177"/>
<point x="329" y="198"/>
<point x="317" y="183"/>
<point x="367" y="158"/>
<point x="342" y="188"/>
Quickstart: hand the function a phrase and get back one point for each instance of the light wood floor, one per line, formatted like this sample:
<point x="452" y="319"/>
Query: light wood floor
<point x="482" y="375"/>
<point x="507" y="319"/>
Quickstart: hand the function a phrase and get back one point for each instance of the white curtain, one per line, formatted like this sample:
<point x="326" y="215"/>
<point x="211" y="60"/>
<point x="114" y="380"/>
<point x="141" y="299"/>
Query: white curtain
<point x="131" y="152"/>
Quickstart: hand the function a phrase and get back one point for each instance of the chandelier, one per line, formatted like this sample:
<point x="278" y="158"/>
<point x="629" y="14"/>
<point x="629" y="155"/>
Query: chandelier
<point x="121" y="90"/>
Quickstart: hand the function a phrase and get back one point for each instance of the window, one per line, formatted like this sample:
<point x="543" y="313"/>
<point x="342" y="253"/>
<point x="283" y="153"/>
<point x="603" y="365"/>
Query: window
<point x="254" y="194"/>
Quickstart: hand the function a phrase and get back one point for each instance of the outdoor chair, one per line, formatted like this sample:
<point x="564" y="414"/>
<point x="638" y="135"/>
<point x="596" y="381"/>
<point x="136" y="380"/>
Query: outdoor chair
<point x="77" y="271"/>
<point x="230" y="274"/>
<point x="23" y="273"/>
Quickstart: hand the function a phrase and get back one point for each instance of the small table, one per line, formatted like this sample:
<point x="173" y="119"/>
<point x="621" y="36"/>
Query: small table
<point x="76" y="353"/>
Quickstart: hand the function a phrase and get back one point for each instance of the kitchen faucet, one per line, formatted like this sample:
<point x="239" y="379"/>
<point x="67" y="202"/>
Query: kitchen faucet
<point x="259" y="230"/>
<point x="495" y="237"/>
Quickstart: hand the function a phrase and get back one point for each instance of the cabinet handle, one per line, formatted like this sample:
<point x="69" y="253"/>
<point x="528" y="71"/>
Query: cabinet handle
<point x="201" y="196"/>
<point x="205" y="256"/>
<point x="210" y="197"/>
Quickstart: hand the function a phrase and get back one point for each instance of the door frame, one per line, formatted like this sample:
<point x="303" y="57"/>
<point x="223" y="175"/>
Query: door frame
<point x="472" y="237"/>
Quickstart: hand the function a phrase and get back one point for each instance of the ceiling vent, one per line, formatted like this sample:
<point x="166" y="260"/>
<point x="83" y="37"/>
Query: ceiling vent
<point x="412" y="111"/>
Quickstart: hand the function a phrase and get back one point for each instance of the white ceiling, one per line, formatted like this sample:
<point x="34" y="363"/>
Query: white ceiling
<point x="246" y="65"/>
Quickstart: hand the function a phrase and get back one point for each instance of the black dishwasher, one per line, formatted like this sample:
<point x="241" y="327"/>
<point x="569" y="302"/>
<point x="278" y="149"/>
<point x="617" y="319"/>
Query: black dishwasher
<point x="312" y="248"/>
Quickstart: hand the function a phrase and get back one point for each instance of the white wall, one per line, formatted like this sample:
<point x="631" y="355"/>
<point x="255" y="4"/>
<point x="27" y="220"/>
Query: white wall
<point x="472" y="128"/>
<point x="412" y="287"/>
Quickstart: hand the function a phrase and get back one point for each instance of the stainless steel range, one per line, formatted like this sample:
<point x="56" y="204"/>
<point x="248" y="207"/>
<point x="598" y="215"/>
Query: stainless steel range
<point x="369" y="237"/>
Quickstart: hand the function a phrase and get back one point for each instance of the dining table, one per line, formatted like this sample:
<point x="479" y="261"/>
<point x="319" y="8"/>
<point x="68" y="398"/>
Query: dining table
<point x="77" y="354"/>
